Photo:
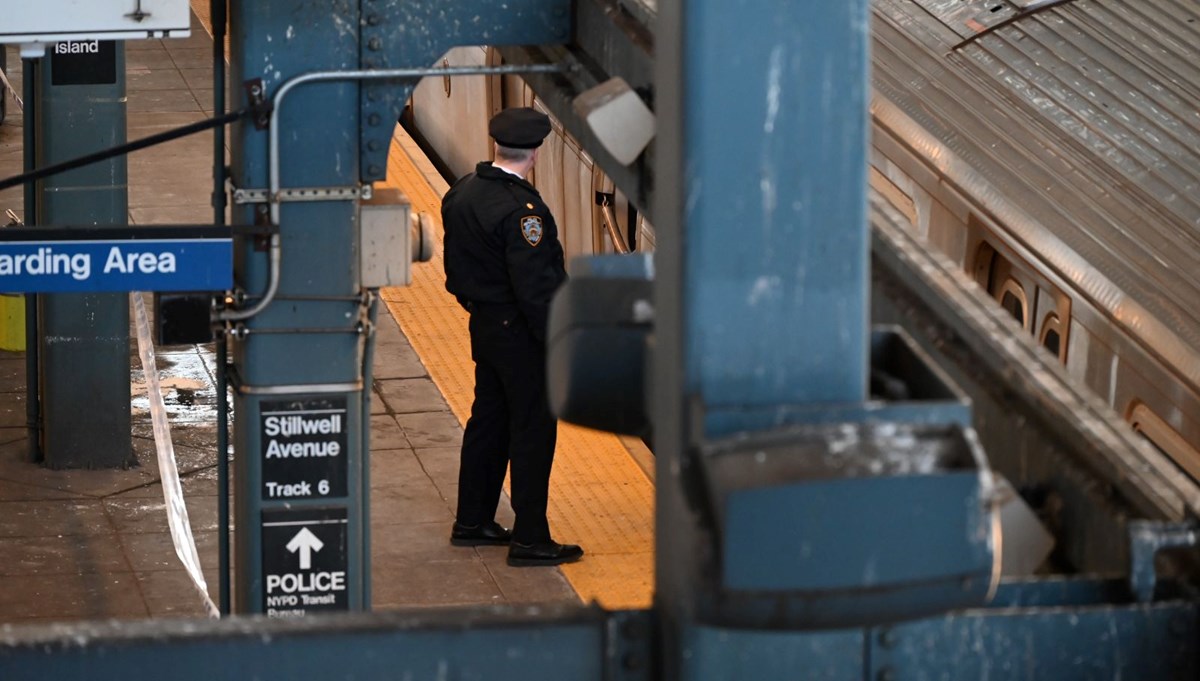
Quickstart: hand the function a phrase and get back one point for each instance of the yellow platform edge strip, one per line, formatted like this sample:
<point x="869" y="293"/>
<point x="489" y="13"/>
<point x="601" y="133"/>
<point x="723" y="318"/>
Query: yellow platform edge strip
<point x="599" y="496"/>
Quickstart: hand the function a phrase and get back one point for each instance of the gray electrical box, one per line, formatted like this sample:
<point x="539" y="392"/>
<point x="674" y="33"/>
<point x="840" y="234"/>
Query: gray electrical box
<point x="393" y="236"/>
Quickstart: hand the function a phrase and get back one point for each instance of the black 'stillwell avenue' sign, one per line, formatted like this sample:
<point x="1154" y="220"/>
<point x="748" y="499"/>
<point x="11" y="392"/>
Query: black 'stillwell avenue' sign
<point x="304" y="448"/>
<point x="84" y="62"/>
<point x="304" y="561"/>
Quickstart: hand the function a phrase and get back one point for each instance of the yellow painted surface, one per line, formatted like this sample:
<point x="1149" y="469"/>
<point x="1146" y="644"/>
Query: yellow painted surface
<point x="599" y="497"/>
<point x="12" y="322"/>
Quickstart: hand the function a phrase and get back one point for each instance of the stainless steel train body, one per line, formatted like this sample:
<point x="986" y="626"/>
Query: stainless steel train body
<point x="1052" y="149"/>
<point x="451" y="118"/>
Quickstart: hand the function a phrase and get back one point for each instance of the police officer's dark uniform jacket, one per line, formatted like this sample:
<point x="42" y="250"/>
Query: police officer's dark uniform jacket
<point x="503" y="263"/>
<point x="501" y="245"/>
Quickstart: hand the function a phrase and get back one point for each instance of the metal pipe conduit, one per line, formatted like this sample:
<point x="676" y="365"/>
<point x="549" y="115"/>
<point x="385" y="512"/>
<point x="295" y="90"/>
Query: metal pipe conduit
<point x="273" y="145"/>
<point x="217" y="11"/>
<point x="370" y="74"/>
<point x="276" y="257"/>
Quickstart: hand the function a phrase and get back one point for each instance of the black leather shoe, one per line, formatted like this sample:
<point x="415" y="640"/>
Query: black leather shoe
<point x="547" y="553"/>
<point x="487" y="534"/>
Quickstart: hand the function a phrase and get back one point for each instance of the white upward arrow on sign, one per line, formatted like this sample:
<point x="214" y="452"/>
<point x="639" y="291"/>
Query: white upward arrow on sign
<point x="305" y="542"/>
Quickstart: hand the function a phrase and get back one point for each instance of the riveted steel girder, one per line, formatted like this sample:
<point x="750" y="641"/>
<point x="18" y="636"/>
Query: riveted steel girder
<point x="609" y="38"/>
<point x="415" y="34"/>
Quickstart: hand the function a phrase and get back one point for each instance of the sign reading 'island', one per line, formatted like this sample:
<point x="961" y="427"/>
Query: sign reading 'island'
<point x="64" y="264"/>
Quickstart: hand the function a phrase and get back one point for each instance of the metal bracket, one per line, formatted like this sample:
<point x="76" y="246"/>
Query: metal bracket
<point x="1146" y="539"/>
<point x="256" y="94"/>
<point x="247" y="196"/>
<point x="241" y="331"/>
<point x="243" y="388"/>
<point x="630" y="650"/>
<point x="138" y="14"/>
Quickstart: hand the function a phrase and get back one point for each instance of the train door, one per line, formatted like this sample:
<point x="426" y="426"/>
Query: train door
<point x="645" y="235"/>
<point x="1164" y="437"/>
<point x="576" y="189"/>
<point x="495" y="85"/>
<point x="565" y="176"/>
<point x="452" y="113"/>
<point x="578" y="217"/>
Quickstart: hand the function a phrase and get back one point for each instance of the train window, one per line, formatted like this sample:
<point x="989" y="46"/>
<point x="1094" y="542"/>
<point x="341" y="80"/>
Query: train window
<point x="1012" y="298"/>
<point x="1052" y="341"/>
<point x="1052" y="334"/>
<point x="995" y="273"/>
<point x="1165" y="438"/>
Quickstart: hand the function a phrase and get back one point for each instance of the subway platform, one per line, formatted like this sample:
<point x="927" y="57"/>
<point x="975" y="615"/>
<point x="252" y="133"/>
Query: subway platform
<point x="94" y="544"/>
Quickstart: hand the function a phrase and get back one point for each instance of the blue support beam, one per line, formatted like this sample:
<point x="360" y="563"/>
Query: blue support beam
<point x="1071" y="638"/>
<point x="761" y="268"/>
<point x="274" y="41"/>
<point x="773" y="170"/>
<point x="714" y="653"/>
<point x="550" y="644"/>
<point x="416" y="34"/>
<point x="1101" y="642"/>
<point x="1034" y="644"/>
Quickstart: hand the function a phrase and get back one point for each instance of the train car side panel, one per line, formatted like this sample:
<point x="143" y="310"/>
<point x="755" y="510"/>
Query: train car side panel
<point x="452" y="113"/>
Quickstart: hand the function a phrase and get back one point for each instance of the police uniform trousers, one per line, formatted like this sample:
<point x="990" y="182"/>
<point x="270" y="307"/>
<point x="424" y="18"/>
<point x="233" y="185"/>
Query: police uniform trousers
<point x="510" y="422"/>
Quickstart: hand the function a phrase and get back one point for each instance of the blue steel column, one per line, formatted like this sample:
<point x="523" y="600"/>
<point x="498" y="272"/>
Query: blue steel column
<point x="774" y="223"/>
<point x="33" y="405"/>
<point x="275" y="41"/>
<point x="762" y="269"/>
<point x="84" y="338"/>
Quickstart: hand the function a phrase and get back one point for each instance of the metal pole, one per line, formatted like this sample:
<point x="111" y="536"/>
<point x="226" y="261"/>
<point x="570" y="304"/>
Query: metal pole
<point x="33" y="402"/>
<point x="368" y="377"/>
<point x="218" y="16"/>
<point x="222" y="476"/>
<point x="217" y="13"/>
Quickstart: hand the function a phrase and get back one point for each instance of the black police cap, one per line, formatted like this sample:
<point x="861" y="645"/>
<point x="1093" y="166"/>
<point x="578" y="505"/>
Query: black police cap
<point x="521" y="128"/>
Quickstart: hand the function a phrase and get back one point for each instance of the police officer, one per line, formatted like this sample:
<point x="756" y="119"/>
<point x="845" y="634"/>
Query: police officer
<point x="503" y="263"/>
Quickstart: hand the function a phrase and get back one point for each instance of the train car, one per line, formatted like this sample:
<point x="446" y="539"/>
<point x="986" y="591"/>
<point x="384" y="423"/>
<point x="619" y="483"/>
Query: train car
<point x="4" y="93"/>
<point x="449" y="118"/>
<point x="1051" y="149"/>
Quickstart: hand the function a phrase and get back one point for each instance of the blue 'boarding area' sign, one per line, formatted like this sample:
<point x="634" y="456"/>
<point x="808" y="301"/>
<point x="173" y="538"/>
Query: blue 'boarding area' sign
<point x="69" y="260"/>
